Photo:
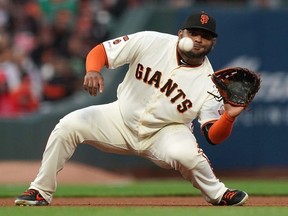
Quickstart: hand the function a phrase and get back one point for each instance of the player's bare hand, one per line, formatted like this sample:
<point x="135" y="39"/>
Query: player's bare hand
<point x="93" y="83"/>
<point x="233" y="111"/>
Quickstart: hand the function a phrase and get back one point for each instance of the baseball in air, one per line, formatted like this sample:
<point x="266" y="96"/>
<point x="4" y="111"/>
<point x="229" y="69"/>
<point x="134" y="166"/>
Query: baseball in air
<point x="185" y="44"/>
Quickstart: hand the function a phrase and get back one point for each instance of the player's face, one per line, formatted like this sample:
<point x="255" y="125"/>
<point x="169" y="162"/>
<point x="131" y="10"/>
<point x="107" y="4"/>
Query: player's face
<point x="203" y="42"/>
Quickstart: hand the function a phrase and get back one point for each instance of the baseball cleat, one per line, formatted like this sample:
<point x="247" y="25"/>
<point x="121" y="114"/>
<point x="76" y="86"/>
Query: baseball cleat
<point x="31" y="197"/>
<point x="233" y="198"/>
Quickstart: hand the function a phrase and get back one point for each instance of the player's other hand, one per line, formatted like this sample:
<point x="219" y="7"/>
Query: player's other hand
<point x="93" y="82"/>
<point x="233" y="111"/>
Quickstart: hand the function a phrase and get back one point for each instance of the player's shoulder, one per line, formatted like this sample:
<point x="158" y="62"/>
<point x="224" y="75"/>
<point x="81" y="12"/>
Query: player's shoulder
<point x="207" y="65"/>
<point x="155" y="35"/>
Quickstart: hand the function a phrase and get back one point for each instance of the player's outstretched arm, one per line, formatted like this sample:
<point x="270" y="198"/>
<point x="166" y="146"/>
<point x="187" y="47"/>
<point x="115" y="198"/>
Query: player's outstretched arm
<point x="221" y="129"/>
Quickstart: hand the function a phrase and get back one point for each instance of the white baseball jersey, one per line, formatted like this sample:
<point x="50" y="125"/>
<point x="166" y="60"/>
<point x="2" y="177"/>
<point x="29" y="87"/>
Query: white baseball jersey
<point x="157" y="99"/>
<point x="157" y="91"/>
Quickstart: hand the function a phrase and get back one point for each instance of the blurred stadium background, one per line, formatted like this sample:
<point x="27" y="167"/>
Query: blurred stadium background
<point x="43" y="45"/>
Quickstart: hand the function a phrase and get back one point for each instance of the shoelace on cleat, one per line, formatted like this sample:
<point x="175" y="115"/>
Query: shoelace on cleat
<point x="229" y="195"/>
<point x="30" y="192"/>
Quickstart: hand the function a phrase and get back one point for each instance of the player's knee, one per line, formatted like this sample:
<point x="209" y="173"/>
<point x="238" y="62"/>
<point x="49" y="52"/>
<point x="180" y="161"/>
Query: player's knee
<point x="65" y="124"/>
<point x="66" y="133"/>
<point x="72" y="120"/>
<point x="180" y="157"/>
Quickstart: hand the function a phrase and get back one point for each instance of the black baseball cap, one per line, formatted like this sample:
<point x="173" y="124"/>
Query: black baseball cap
<point x="201" y="21"/>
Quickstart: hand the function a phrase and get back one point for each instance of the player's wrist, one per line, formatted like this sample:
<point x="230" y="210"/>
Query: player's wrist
<point x="93" y="71"/>
<point x="228" y="116"/>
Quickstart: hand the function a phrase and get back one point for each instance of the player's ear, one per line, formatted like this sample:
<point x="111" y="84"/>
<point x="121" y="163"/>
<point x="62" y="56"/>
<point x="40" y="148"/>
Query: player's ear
<point x="180" y="33"/>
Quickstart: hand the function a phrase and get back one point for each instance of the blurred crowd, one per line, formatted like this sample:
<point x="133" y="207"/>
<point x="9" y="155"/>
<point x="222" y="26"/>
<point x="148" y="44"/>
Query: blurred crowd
<point x="43" y="45"/>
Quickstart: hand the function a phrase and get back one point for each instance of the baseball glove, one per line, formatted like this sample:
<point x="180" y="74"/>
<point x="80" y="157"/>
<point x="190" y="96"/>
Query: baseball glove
<point x="237" y="86"/>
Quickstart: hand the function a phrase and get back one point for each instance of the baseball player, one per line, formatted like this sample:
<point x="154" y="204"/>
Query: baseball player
<point x="164" y="90"/>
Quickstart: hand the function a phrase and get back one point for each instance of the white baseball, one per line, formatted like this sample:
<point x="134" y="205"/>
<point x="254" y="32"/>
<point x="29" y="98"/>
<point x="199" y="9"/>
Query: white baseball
<point x="186" y="44"/>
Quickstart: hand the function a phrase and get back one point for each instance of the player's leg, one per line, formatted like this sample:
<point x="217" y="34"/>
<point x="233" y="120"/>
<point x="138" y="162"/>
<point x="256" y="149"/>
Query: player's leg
<point x="100" y="126"/>
<point x="176" y="147"/>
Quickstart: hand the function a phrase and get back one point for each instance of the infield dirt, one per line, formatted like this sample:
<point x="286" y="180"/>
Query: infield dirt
<point x="23" y="172"/>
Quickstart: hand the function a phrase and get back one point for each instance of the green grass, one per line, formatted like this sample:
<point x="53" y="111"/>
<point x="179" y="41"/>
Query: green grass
<point x="150" y="188"/>
<point x="143" y="211"/>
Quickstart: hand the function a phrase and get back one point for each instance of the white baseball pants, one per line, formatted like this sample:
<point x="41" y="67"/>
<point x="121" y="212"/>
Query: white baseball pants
<point x="173" y="147"/>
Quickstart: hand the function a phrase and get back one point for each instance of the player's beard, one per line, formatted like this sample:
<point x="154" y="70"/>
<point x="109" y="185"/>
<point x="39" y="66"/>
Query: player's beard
<point x="202" y="54"/>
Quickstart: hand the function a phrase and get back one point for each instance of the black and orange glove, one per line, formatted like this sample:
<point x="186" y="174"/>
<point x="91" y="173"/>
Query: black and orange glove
<point x="237" y="86"/>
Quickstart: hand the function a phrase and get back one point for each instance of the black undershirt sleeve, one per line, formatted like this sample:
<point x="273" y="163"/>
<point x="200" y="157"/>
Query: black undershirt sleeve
<point x="205" y="130"/>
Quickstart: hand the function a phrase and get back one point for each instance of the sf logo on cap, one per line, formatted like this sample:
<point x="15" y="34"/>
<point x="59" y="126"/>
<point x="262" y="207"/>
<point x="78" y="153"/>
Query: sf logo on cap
<point x="204" y="19"/>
